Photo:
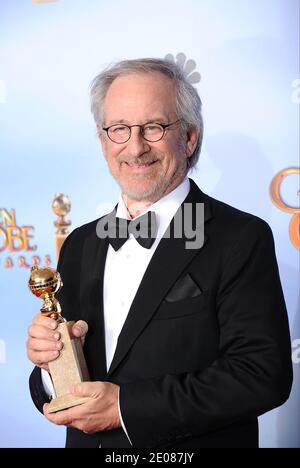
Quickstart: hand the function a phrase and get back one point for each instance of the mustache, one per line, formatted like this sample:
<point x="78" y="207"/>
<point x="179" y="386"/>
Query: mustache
<point x="143" y="159"/>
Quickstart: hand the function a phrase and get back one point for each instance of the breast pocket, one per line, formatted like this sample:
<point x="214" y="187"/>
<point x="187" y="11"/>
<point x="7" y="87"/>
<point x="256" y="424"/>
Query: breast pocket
<point x="183" y="308"/>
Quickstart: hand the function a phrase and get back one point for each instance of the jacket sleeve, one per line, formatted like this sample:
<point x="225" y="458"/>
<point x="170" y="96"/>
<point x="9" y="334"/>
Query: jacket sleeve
<point x="38" y="394"/>
<point x="253" y="371"/>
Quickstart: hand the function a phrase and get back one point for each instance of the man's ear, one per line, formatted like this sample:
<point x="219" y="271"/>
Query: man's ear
<point x="99" y="130"/>
<point x="191" y="141"/>
<point x="102" y="140"/>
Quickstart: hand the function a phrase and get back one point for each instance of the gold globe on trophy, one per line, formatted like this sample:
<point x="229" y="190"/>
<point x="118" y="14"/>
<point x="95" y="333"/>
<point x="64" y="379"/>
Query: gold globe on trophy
<point x="45" y="283"/>
<point x="70" y="366"/>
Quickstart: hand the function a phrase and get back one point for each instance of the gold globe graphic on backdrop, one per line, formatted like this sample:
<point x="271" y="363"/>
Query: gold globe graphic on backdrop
<point x="61" y="206"/>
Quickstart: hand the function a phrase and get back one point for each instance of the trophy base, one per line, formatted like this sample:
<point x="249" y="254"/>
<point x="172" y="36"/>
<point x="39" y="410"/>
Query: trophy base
<point x="66" y="401"/>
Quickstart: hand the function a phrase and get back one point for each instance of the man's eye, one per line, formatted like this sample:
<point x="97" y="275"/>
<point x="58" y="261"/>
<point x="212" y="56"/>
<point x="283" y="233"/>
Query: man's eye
<point x="119" y="129"/>
<point x="152" y="128"/>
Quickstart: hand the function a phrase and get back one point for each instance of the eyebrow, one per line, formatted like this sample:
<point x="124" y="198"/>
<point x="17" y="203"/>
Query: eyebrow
<point x="125" y="122"/>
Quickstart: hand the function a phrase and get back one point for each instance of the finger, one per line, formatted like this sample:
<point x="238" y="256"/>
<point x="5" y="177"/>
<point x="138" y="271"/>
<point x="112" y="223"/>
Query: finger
<point x="41" y="358"/>
<point x="43" y="321"/>
<point x="35" y="344"/>
<point x="45" y="408"/>
<point x="41" y="332"/>
<point x="61" y="417"/>
<point x="80" y="328"/>
<point x="88" y="389"/>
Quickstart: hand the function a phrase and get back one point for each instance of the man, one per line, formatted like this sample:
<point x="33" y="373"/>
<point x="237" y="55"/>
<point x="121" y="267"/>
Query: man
<point x="187" y="344"/>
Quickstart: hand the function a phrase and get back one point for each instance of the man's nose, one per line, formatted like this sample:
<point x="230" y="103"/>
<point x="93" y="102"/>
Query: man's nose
<point x="136" y="143"/>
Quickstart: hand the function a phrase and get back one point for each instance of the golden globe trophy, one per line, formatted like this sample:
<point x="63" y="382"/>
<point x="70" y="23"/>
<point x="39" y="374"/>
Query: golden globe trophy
<point x="70" y="366"/>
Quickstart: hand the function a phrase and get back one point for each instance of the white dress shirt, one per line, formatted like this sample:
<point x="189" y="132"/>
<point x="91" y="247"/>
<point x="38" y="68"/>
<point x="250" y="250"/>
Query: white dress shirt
<point x="125" y="268"/>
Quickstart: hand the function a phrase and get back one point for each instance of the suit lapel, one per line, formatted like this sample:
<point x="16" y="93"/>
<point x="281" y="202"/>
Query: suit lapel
<point x="170" y="259"/>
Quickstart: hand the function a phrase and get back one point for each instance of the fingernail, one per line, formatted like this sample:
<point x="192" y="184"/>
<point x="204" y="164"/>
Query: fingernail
<point x="59" y="345"/>
<point x="56" y="336"/>
<point x="55" y="353"/>
<point x="53" y="324"/>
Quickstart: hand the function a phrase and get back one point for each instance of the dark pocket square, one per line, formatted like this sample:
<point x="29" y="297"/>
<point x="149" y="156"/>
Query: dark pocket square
<point x="184" y="288"/>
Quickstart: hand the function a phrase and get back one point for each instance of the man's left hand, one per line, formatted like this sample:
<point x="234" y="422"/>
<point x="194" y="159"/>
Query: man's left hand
<point x="101" y="413"/>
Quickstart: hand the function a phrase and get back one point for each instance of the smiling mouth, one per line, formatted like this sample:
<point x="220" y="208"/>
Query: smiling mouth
<point x="144" y="165"/>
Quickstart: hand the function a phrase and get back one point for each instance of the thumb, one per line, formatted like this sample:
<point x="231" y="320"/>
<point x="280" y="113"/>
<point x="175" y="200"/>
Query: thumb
<point x="80" y="329"/>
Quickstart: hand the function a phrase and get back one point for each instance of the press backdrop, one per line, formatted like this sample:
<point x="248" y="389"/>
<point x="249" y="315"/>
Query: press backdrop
<point x="242" y="56"/>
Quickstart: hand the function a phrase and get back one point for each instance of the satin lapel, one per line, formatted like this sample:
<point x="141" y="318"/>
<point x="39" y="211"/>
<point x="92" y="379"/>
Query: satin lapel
<point x="169" y="261"/>
<point x="91" y="294"/>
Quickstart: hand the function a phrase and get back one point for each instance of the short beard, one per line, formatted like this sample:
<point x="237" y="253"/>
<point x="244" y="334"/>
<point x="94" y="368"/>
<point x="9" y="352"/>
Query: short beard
<point x="159" y="187"/>
<point x="154" y="193"/>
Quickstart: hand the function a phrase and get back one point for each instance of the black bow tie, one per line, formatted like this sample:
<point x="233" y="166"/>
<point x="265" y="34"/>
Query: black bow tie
<point x="144" y="229"/>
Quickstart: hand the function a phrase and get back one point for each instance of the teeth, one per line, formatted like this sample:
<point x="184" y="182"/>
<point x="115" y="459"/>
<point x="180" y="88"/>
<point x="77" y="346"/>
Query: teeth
<point x="141" y="165"/>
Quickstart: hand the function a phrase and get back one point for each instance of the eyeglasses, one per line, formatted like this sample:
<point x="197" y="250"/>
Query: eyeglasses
<point x="152" y="132"/>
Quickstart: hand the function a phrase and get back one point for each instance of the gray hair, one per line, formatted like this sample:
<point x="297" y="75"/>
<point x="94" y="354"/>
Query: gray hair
<point x="188" y="102"/>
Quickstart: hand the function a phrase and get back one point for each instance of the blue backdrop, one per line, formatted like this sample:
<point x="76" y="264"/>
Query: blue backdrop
<point x="247" y="54"/>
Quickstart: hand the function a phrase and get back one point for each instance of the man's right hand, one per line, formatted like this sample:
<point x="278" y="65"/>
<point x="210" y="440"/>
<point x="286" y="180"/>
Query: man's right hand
<point x="44" y="343"/>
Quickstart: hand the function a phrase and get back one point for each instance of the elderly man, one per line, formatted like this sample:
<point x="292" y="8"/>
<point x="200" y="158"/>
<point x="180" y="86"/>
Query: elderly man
<point x="187" y="344"/>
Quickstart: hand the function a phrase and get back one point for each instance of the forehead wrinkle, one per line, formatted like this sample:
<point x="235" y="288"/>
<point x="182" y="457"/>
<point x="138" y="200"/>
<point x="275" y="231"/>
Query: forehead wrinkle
<point x="138" y="99"/>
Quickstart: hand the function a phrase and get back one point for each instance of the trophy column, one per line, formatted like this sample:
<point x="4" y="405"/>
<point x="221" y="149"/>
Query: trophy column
<point x="69" y="368"/>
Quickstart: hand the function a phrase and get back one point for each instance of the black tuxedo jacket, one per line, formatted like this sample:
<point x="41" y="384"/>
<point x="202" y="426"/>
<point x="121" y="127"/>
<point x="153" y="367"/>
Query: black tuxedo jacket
<point x="205" y="348"/>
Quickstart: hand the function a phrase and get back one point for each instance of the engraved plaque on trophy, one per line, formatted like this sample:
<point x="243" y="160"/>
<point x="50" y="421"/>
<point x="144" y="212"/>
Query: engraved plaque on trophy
<point x="70" y="366"/>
